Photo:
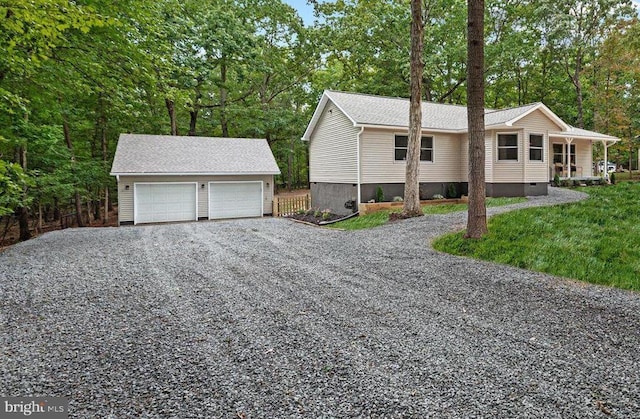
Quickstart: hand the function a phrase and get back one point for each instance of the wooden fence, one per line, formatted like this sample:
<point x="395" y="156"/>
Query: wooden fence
<point x="287" y="205"/>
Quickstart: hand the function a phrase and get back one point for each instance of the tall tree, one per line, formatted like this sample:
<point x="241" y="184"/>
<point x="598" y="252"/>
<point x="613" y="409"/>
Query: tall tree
<point x="477" y="214"/>
<point x="575" y="31"/>
<point x="411" y="207"/>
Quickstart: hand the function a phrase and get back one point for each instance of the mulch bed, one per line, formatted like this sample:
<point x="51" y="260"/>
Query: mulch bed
<point x="395" y="216"/>
<point x="310" y="218"/>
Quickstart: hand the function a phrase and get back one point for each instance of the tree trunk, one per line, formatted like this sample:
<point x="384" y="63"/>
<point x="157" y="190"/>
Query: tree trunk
<point x="56" y="209"/>
<point x="411" y="207"/>
<point x="477" y="214"/>
<point x="223" y="99"/>
<point x="171" y="109"/>
<point x="290" y="165"/>
<point x="193" y="120"/>
<point x="23" y="212"/>
<point x="78" y="200"/>
<point x="193" y="113"/>
<point x="577" y="84"/>
<point x="105" y="159"/>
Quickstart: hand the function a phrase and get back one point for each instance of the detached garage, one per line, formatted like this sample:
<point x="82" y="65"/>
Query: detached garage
<point x="172" y="178"/>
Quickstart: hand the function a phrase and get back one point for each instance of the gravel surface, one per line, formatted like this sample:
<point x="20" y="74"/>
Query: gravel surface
<point x="271" y="318"/>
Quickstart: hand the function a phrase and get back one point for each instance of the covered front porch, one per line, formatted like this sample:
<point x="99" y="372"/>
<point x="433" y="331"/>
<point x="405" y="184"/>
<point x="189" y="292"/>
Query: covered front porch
<point x="571" y="157"/>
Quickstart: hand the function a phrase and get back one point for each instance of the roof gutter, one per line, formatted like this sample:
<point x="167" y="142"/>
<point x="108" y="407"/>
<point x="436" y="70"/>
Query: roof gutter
<point x="582" y="137"/>
<point x="405" y="128"/>
<point x="118" y="174"/>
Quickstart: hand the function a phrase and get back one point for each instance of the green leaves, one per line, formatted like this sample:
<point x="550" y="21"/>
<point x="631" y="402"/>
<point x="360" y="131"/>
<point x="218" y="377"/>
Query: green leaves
<point x="13" y="185"/>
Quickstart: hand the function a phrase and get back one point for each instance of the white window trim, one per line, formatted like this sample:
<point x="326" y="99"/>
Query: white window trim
<point x="564" y="152"/>
<point x="544" y="141"/>
<point x="404" y="134"/>
<point x="235" y="181"/>
<point x="135" y="201"/>
<point x="498" y="159"/>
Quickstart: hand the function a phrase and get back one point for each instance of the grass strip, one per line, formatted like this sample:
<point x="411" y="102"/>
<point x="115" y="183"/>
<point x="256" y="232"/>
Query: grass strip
<point x="596" y="240"/>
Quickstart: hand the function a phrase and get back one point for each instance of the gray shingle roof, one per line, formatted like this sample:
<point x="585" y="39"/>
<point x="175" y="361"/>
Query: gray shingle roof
<point x="579" y="132"/>
<point x="390" y="111"/>
<point x="159" y="154"/>
<point x="365" y="109"/>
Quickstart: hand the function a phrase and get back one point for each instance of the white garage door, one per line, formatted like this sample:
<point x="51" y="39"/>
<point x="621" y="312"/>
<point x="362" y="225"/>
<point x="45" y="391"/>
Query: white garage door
<point x="162" y="202"/>
<point x="235" y="199"/>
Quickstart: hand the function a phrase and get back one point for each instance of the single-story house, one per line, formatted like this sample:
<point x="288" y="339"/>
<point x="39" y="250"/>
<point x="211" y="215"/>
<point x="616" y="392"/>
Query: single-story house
<point x="358" y="142"/>
<point x="164" y="178"/>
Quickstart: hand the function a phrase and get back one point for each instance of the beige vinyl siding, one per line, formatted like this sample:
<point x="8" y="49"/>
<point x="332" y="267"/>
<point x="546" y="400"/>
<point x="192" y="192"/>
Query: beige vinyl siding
<point x="507" y="171"/>
<point x="464" y="158"/>
<point x="125" y="197"/>
<point x="537" y="123"/>
<point x="333" y="148"/>
<point x="584" y="157"/>
<point x="378" y="164"/>
<point x="489" y="156"/>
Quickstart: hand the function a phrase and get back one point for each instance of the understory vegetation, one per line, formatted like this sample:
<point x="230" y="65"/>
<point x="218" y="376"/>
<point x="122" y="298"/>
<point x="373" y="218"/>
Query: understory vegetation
<point x="74" y="75"/>
<point x="597" y="240"/>
<point x="382" y="217"/>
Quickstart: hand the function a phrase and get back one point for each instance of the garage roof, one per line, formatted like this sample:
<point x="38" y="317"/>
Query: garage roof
<point x="176" y="155"/>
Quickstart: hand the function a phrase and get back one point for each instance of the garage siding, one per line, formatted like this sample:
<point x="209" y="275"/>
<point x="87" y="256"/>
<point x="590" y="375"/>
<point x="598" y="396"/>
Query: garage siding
<point x="125" y="196"/>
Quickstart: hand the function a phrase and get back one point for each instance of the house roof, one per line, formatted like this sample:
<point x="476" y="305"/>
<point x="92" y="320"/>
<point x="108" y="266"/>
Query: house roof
<point x="583" y="133"/>
<point x="166" y="154"/>
<point x="371" y="110"/>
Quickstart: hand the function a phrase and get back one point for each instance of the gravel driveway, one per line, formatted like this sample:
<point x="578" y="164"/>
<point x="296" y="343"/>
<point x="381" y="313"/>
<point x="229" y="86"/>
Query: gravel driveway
<point x="270" y="318"/>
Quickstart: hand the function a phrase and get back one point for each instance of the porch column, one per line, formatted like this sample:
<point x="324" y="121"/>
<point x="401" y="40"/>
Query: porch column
<point x="568" y="140"/>
<point x="606" y="145"/>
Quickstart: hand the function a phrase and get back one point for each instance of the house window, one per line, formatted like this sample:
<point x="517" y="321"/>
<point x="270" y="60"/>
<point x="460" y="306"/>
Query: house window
<point x="507" y="146"/>
<point x="560" y="154"/>
<point x="426" y="148"/>
<point x="536" y="147"/>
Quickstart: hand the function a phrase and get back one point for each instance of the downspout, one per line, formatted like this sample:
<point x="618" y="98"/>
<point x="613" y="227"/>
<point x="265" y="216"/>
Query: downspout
<point x="358" y="169"/>
<point x="605" y="143"/>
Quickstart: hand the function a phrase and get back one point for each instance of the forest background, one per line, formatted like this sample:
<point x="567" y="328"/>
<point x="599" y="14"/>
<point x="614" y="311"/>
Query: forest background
<point x="76" y="74"/>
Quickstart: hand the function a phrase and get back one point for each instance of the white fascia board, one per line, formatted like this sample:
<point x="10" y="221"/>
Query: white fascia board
<point x="406" y="128"/>
<point x="583" y="137"/>
<point x="326" y="97"/>
<point x="196" y="174"/>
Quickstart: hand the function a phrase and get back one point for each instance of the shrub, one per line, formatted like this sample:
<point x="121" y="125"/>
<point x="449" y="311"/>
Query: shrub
<point x="556" y="180"/>
<point x="612" y="178"/>
<point x="437" y="196"/>
<point x="326" y="214"/>
<point x="589" y="182"/>
<point x="379" y="194"/>
<point x="301" y="211"/>
<point x="452" y="192"/>
<point x="317" y="213"/>
<point x="398" y="199"/>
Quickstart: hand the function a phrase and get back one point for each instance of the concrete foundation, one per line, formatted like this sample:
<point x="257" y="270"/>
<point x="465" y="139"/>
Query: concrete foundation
<point x="516" y="189"/>
<point x="333" y="196"/>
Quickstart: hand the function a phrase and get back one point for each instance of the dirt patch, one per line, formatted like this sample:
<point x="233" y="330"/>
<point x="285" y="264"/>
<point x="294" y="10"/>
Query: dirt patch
<point x="315" y="217"/>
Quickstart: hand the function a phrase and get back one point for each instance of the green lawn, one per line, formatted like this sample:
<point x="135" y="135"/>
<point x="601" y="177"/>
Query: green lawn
<point x="597" y="240"/>
<point x="382" y="217"/>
